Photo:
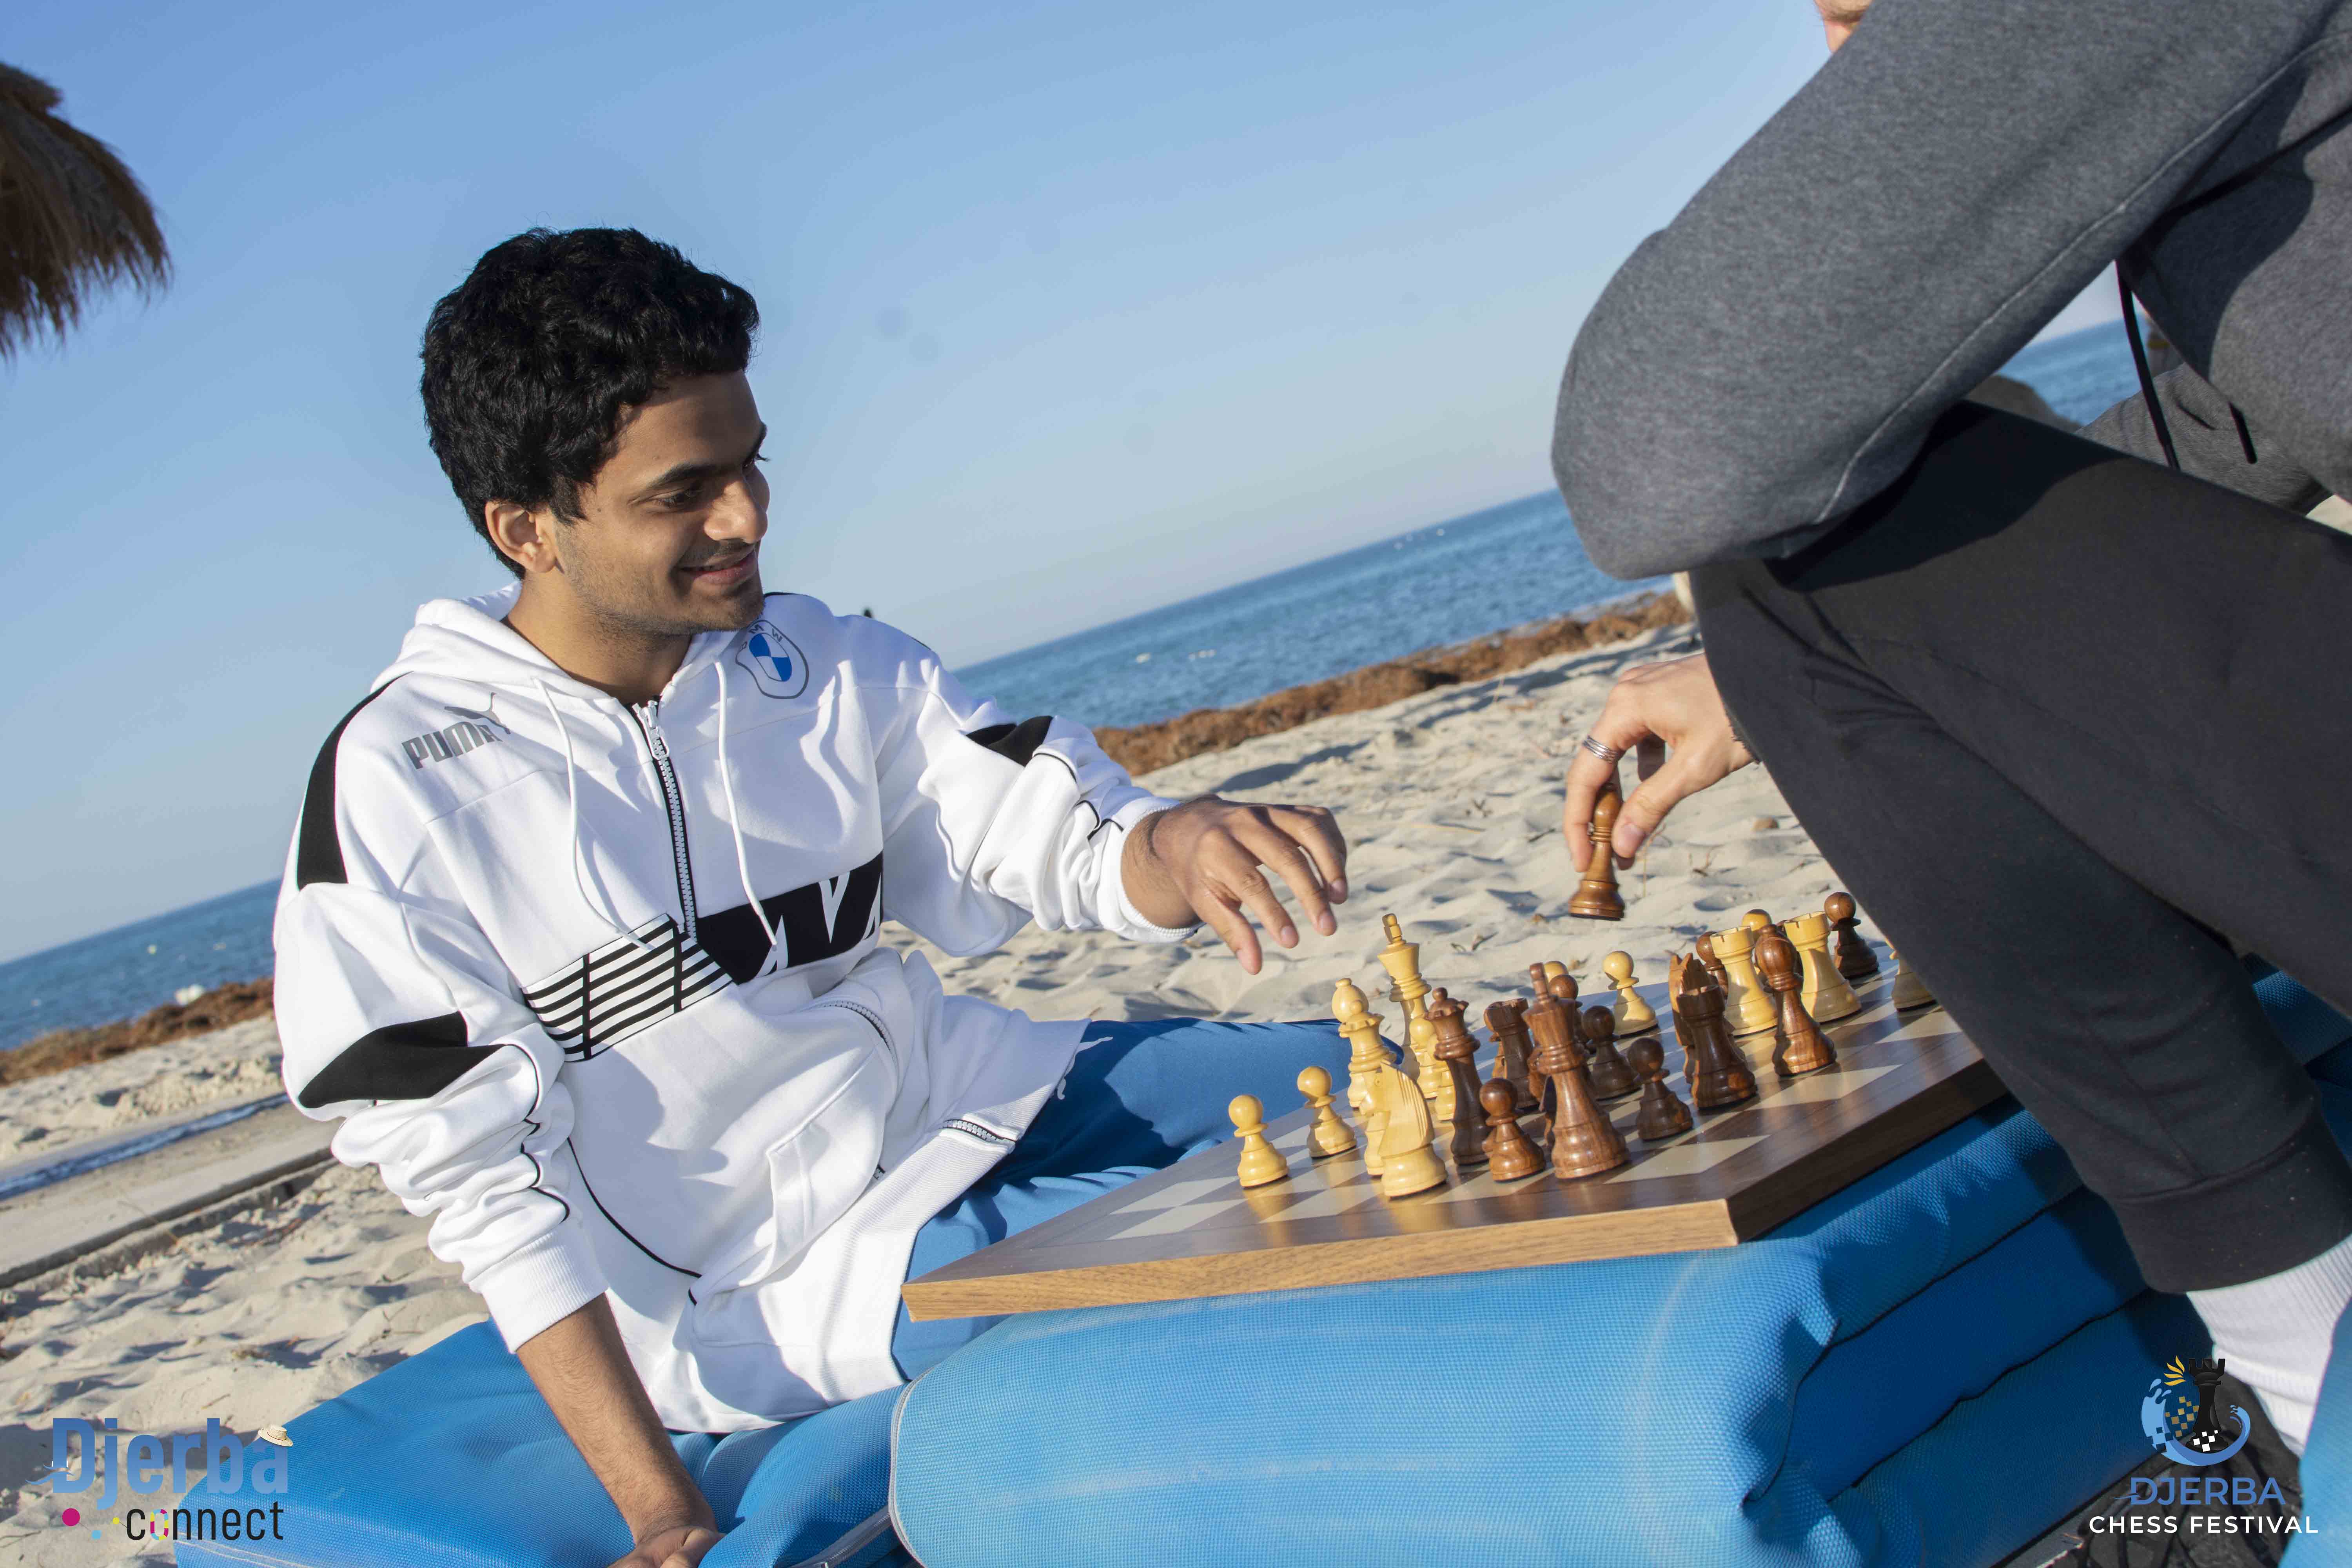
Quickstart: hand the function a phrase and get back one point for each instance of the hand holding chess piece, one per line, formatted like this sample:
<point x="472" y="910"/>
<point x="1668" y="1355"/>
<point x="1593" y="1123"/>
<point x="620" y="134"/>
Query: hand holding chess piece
<point x="1669" y="714"/>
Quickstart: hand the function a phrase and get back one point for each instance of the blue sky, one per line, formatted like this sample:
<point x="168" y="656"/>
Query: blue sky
<point x="1071" y="311"/>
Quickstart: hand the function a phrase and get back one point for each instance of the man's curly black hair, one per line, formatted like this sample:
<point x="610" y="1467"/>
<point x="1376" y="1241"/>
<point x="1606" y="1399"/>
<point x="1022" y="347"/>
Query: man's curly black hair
<point x="531" y="361"/>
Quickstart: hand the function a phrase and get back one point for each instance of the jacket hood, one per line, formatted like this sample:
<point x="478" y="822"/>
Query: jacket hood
<point x="468" y="639"/>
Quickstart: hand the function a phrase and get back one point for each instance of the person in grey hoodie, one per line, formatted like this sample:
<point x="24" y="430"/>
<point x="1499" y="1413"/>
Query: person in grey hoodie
<point x="2064" y="711"/>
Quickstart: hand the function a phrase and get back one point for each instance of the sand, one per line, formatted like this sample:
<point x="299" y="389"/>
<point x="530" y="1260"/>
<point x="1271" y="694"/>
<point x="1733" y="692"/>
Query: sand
<point x="1451" y="804"/>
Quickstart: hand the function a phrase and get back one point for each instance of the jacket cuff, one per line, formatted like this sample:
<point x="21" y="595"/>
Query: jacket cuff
<point x="1120" y="913"/>
<point x="1739" y="734"/>
<point x="540" y="1285"/>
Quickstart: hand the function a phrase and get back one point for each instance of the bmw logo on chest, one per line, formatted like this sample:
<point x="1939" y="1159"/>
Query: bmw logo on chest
<point x="775" y="663"/>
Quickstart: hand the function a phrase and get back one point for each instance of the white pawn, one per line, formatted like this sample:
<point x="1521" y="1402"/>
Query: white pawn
<point x="1908" y="991"/>
<point x="1330" y="1135"/>
<point x="1261" y="1161"/>
<point x="1633" y="1014"/>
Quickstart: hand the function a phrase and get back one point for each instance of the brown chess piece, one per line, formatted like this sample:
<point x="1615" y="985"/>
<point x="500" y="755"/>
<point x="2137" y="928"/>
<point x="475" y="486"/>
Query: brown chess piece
<point x="1800" y="1045"/>
<point x="1457" y="1050"/>
<point x="1854" y="959"/>
<point x="1611" y="1079"/>
<point x="1512" y="1158"/>
<point x="1596" y="896"/>
<point x="1718" y="1072"/>
<point x="1583" y="1141"/>
<point x="1662" y="1115"/>
<point x="1506" y="1022"/>
<point x="1706" y="949"/>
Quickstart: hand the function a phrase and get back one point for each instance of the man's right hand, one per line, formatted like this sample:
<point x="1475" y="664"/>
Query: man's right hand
<point x="676" y="1546"/>
<point x="1671" y="717"/>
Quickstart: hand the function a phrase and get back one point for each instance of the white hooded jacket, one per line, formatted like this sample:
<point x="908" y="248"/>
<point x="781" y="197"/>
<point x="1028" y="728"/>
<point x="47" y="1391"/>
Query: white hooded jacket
<point x="599" y="988"/>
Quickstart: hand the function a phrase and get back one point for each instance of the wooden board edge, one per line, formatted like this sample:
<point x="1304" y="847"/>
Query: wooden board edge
<point x="1525" y="1244"/>
<point x="1875" y="1144"/>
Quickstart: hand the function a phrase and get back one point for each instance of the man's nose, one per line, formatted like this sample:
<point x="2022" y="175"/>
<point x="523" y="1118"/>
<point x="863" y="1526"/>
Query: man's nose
<point x="737" y="515"/>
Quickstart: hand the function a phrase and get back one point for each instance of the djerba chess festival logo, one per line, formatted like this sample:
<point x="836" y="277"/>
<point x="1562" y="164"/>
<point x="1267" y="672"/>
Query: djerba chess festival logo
<point x="2179" y="1418"/>
<point x="774" y="663"/>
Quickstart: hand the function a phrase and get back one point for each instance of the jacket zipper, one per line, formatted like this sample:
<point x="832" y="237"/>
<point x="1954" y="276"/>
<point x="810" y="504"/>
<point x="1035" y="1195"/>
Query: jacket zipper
<point x="673" y="806"/>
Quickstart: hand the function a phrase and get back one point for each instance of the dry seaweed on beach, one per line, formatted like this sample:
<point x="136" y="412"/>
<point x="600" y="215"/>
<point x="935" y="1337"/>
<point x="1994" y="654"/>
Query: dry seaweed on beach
<point x="1144" y="748"/>
<point x="63" y="1048"/>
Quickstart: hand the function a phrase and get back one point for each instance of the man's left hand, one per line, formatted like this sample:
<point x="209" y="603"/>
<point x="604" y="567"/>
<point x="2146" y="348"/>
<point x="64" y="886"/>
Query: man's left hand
<point x="1201" y="860"/>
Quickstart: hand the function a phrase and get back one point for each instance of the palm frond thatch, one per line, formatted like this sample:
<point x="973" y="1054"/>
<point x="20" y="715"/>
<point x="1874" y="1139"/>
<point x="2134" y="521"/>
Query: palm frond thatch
<point x="73" y="220"/>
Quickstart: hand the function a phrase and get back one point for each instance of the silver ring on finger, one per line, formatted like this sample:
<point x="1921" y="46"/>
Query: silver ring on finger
<point x="1605" y="752"/>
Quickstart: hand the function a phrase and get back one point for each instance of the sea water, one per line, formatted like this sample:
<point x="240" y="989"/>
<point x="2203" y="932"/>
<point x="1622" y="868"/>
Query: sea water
<point x="1446" y="583"/>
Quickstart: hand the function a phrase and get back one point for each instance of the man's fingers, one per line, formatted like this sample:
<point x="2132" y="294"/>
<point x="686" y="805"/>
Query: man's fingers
<point x="1247" y="885"/>
<point x="1291" y="860"/>
<point x="1226" y="919"/>
<point x="1658" y="795"/>
<point x="1318" y="831"/>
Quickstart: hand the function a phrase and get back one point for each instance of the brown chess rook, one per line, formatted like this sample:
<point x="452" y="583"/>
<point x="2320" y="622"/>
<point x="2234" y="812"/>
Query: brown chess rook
<point x="1611" y="1078"/>
<point x="1583" y="1141"/>
<point x="1512" y="1158"/>
<point x="1596" y="896"/>
<point x="1508" y="1023"/>
<point x="1458" y="1051"/>
<point x="1854" y="959"/>
<point x="1800" y="1045"/>
<point x="1721" y="1077"/>
<point x="1662" y="1115"/>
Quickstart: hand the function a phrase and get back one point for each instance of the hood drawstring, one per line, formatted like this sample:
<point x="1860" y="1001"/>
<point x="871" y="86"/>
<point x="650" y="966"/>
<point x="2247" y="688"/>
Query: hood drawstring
<point x="573" y="852"/>
<point x="735" y="820"/>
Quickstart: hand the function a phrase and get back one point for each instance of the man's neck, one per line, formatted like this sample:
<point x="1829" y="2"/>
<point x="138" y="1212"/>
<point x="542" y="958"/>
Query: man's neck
<point x="633" y="666"/>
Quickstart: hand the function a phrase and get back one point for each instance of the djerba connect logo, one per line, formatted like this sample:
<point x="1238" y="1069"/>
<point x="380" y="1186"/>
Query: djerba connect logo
<point x="236" y="1498"/>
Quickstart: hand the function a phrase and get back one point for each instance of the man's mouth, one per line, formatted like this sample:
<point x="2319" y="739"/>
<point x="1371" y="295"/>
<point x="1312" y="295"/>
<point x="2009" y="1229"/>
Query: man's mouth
<point x="724" y="571"/>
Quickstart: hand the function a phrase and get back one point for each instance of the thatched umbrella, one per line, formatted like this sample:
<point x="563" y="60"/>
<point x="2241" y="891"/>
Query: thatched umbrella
<point x="73" y="218"/>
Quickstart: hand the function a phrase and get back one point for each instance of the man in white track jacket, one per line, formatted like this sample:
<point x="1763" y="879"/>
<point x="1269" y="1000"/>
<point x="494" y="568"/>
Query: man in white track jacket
<point x="579" y="930"/>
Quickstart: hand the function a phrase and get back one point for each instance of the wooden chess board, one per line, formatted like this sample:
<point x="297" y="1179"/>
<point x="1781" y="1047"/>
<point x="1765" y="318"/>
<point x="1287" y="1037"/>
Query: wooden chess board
<point x="1193" y="1230"/>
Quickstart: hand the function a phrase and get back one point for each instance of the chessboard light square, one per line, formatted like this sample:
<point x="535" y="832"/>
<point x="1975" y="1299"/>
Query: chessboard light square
<point x="1330" y="1202"/>
<point x="1934" y="1024"/>
<point x="1686" y="1159"/>
<point x="1824" y="1086"/>
<point x="1177" y="1194"/>
<point x="1296" y="1137"/>
<point x="1182" y="1218"/>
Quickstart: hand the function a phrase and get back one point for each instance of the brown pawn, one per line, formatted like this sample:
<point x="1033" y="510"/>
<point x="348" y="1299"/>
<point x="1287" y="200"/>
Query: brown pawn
<point x="1611" y="1079"/>
<point x="1800" y="1045"/>
<point x="1596" y="896"/>
<point x="1507" y="1022"/>
<point x="1662" y="1115"/>
<point x="1854" y="959"/>
<point x="1514" y="1158"/>
<point x="1706" y="949"/>
<point x="1583" y="1141"/>
<point x="1456" y="1050"/>
<point x="1721" y="1077"/>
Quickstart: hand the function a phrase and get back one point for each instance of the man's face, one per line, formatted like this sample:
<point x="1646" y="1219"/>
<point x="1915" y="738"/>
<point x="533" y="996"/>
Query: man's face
<point x="1838" y="19"/>
<point x="669" y="537"/>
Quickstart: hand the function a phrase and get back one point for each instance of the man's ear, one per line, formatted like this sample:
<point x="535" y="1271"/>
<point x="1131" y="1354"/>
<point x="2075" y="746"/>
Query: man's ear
<point x="523" y="536"/>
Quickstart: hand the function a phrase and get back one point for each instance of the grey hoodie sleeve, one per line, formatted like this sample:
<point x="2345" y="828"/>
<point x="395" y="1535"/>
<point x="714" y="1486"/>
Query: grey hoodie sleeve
<point x="2205" y="435"/>
<point x="1953" y="176"/>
